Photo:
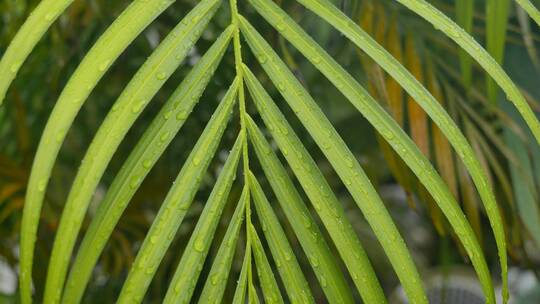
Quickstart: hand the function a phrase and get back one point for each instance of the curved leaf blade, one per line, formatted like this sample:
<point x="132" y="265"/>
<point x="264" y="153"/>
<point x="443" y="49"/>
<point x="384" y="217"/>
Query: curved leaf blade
<point x="150" y="147"/>
<point x="182" y="285"/>
<point x="175" y="206"/>
<point x="217" y="278"/>
<point x="319" y="192"/>
<point x="295" y="283"/>
<point x="342" y="160"/>
<point x="496" y="28"/>
<point x="531" y="10"/>
<point x="308" y="233"/>
<point x="138" y="93"/>
<point x="465" y="41"/>
<point x="264" y="270"/>
<point x="331" y="14"/>
<point x="240" y="292"/>
<point x="465" y="17"/>
<point x="124" y="30"/>
<point x="33" y="29"/>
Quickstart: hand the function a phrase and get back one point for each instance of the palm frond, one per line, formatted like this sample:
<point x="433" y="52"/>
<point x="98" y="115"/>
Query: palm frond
<point x="335" y="255"/>
<point x="217" y="278"/>
<point x="530" y="9"/>
<point x="268" y="283"/>
<point x="316" y="187"/>
<point x="26" y="39"/>
<point x="123" y="31"/>
<point x="288" y="267"/>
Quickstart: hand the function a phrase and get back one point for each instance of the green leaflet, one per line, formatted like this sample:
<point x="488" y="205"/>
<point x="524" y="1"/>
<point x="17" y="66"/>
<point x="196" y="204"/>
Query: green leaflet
<point x="175" y="206"/>
<point x="201" y="238"/>
<point x="465" y="41"/>
<point x="319" y="192"/>
<point x="264" y="270"/>
<point x="20" y="47"/>
<point x="240" y="292"/>
<point x="253" y="296"/>
<point x="332" y="15"/>
<point x="138" y="93"/>
<point x="496" y="25"/>
<point x="152" y="144"/>
<point x="526" y="198"/>
<point x="291" y="274"/>
<point x="217" y="278"/>
<point x="528" y="35"/>
<point x="501" y="78"/>
<point x="464" y="17"/>
<point x="530" y="9"/>
<point x="307" y="231"/>
<point x="522" y="171"/>
<point x="378" y="117"/>
<point x="342" y="161"/>
<point x="117" y="37"/>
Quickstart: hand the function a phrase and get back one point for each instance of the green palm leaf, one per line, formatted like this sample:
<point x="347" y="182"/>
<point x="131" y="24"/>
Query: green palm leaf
<point x="127" y="108"/>
<point x="341" y="159"/>
<point x="26" y="39"/>
<point x="152" y="144"/>
<point x="331" y="14"/>
<point x="317" y="189"/>
<point x="465" y="17"/>
<point x="241" y="286"/>
<point x="306" y="230"/>
<point x="217" y="278"/>
<point x="291" y="273"/>
<point x="175" y="206"/>
<point x="125" y="28"/>
<point x="465" y="41"/>
<point x="181" y="286"/>
<point x="496" y="25"/>
<point x="530" y="9"/>
<point x="382" y="122"/>
<point x="264" y="270"/>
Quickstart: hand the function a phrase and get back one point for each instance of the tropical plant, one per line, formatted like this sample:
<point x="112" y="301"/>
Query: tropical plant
<point x="266" y="139"/>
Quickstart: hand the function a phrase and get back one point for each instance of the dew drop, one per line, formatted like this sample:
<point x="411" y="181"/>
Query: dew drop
<point x="103" y="66"/>
<point x="137" y="108"/>
<point x="41" y="185"/>
<point x="161" y="76"/>
<point x="164" y="136"/>
<point x="147" y="164"/>
<point x="262" y="59"/>
<point x="199" y="246"/>
<point x="323" y="281"/>
<point x="182" y="115"/>
<point x="14" y="67"/>
<point x="49" y="16"/>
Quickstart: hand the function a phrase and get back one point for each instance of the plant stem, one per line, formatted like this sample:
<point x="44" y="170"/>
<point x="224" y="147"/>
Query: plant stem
<point x="242" y="108"/>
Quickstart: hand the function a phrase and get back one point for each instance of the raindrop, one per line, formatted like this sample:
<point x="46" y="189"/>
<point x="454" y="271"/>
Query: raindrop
<point x="161" y="76"/>
<point x="14" y="67"/>
<point x="49" y="16"/>
<point x="41" y="185"/>
<point x="147" y="163"/>
<point x="199" y="246"/>
<point x="103" y="66"/>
